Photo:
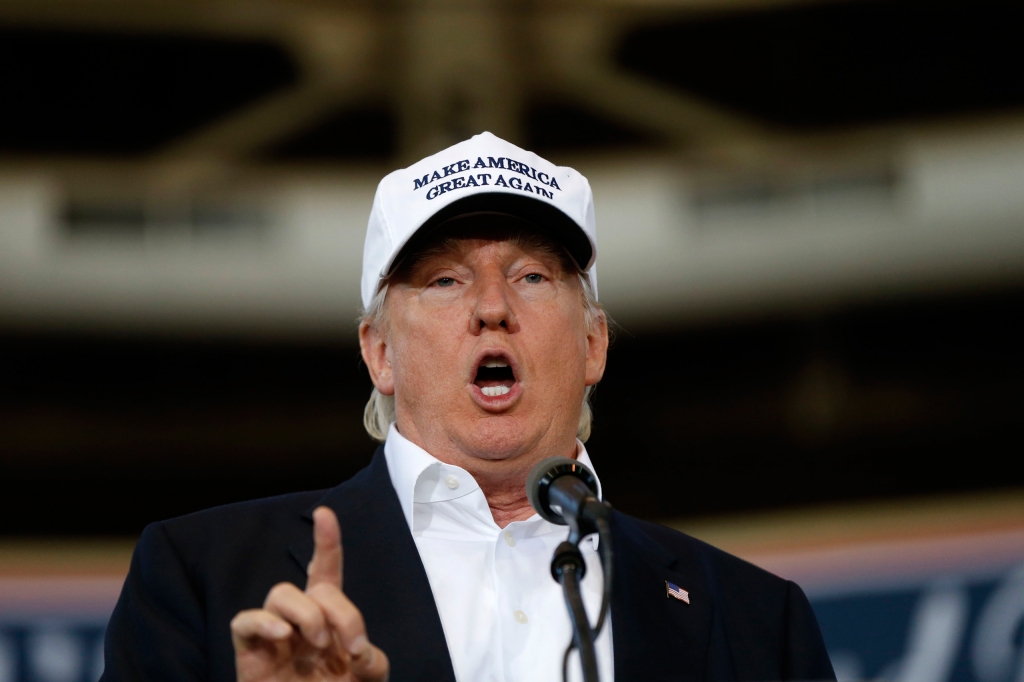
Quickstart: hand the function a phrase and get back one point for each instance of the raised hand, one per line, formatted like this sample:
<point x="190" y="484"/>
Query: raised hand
<point x="313" y="635"/>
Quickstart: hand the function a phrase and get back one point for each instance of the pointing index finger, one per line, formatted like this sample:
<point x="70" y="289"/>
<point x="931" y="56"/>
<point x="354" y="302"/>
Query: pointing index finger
<point x="325" y="567"/>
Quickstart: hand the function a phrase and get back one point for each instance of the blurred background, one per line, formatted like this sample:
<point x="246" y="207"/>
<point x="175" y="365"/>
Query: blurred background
<point x="812" y="237"/>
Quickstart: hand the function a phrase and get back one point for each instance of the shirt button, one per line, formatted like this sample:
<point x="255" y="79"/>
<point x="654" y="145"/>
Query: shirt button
<point x="521" y="617"/>
<point x="451" y="482"/>
<point x="510" y="539"/>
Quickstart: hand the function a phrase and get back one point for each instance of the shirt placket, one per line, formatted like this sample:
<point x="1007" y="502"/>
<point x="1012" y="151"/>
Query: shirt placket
<point x="515" y="618"/>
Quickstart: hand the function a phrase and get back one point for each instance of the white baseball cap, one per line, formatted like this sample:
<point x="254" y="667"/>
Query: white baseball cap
<point x="481" y="174"/>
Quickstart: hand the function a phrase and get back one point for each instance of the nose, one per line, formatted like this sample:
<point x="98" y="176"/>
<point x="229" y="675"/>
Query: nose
<point x="491" y="309"/>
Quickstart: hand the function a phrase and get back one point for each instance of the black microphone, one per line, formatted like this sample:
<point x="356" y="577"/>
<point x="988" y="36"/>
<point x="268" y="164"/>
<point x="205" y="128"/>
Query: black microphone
<point x="564" y="492"/>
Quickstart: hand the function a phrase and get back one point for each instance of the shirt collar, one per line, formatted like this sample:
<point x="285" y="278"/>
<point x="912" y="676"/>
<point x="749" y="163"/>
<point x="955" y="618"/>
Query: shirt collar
<point x="415" y="473"/>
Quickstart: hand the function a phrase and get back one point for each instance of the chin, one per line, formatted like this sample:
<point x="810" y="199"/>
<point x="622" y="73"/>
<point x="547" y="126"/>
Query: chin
<point x="500" y="437"/>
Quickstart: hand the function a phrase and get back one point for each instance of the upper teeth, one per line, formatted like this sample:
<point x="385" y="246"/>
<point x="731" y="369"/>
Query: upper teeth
<point x="495" y="363"/>
<point x="495" y="390"/>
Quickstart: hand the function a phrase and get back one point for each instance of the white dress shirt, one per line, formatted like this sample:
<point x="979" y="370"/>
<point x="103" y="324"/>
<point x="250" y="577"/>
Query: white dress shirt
<point x="503" y="615"/>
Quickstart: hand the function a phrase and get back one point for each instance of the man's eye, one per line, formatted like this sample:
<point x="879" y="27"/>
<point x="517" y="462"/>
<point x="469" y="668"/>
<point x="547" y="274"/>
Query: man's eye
<point x="445" y="282"/>
<point x="534" y="278"/>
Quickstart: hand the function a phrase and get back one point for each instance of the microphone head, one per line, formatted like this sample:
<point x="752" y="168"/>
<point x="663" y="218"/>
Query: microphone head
<point x="544" y="473"/>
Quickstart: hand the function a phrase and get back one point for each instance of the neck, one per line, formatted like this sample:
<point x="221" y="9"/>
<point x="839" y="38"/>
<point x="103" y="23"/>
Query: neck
<point x="504" y="485"/>
<point x="505" y="511"/>
<point x="503" y="481"/>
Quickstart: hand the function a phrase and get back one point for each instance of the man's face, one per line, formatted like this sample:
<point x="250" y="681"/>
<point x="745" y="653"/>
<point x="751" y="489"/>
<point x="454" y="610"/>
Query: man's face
<point x="487" y="351"/>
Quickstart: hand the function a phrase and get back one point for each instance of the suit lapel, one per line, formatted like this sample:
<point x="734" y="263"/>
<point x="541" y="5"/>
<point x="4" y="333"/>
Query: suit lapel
<point x="657" y="637"/>
<point x="383" y="574"/>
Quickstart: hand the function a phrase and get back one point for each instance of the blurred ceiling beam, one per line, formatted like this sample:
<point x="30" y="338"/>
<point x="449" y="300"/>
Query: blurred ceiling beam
<point x="336" y="52"/>
<point x="450" y="69"/>
<point x="253" y="18"/>
<point x="455" y="68"/>
<point x="460" y="71"/>
<point x="687" y="122"/>
<point x="578" y="51"/>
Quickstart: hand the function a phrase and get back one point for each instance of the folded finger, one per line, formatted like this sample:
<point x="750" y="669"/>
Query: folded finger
<point x="367" y="661"/>
<point x="370" y="664"/>
<point x="259" y="624"/>
<point x="293" y="605"/>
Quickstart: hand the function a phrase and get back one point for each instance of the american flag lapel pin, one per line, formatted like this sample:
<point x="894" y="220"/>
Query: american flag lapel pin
<point x="676" y="592"/>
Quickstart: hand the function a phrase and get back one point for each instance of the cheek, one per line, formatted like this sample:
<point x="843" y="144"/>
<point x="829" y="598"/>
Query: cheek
<point x="563" y="356"/>
<point x="424" y="355"/>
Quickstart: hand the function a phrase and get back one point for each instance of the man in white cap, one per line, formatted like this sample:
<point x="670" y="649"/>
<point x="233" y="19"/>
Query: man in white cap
<point x="483" y="337"/>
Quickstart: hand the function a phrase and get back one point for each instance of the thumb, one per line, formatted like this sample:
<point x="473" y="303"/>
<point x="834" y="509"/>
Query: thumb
<point x="325" y="567"/>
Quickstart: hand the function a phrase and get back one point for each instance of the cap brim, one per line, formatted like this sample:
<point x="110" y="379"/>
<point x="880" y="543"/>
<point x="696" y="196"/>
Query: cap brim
<point x="559" y="225"/>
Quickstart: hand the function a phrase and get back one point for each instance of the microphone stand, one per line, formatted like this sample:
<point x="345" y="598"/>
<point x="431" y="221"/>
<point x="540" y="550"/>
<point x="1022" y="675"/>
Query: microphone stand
<point x="568" y="569"/>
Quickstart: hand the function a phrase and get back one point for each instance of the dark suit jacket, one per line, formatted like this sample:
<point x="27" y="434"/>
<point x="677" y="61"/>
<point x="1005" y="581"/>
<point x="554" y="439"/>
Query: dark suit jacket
<point x="190" y="576"/>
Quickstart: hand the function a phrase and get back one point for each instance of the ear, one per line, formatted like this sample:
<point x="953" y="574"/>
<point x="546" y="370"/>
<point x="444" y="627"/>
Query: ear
<point x="374" y="348"/>
<point x="597" y="350"/>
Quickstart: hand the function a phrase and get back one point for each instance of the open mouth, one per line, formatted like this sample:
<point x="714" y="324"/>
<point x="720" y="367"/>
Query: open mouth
<point x="495" y="377"/>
